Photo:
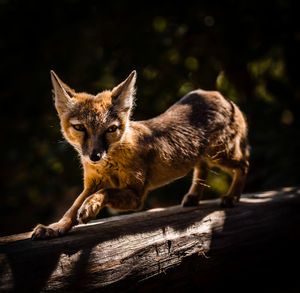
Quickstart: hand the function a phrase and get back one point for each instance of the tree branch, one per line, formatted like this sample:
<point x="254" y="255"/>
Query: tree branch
<point x="175" y="248"/>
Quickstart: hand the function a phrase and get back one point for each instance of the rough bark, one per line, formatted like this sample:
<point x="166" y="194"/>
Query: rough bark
<point x="207" y="247"/>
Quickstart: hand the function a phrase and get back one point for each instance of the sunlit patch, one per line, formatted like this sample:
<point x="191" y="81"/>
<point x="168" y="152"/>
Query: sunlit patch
<point x="267" y="196"/>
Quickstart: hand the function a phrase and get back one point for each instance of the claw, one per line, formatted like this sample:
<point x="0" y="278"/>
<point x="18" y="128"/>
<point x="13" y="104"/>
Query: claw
<point x="60" y="232"/>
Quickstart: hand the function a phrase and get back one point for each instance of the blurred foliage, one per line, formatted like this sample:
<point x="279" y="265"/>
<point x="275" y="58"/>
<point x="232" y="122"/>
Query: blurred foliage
<point x="249" y="50"/>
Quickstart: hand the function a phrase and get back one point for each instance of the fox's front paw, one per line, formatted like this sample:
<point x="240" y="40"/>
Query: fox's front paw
<point x="89" y="210"/>
<point x="45" y="232"/>
<point x="54" y="230"/>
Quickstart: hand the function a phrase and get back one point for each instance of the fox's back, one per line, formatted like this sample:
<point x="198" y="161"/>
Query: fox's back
<point x="196" y="119"/>
<point x="206" y="111"/>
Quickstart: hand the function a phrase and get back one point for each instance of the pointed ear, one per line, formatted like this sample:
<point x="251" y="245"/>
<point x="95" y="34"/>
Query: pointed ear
<point x="123" y="94"/>
<point x="62" y="94"/>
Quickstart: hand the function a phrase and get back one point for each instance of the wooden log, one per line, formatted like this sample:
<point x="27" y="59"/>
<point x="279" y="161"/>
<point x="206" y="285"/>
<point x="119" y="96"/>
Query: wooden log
<point x="175" y="249"/>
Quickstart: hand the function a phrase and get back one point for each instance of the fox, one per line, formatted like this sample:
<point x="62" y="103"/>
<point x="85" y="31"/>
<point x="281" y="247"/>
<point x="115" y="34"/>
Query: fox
<point x="124" y="159"/>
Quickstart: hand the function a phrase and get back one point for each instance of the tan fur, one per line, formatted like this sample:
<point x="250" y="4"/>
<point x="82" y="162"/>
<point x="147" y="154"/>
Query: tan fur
<point x="123" y="159"/>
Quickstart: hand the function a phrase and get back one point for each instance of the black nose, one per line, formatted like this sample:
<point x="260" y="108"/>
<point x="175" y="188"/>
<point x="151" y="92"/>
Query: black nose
<point x="95" y="156"/>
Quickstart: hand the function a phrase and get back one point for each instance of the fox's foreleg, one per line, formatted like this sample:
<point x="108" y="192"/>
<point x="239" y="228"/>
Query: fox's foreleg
<point x="120" y="199"/>
<point x="65" y="223"/>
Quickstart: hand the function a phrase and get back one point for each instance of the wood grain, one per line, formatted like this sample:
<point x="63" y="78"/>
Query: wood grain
<point x="175" y="248"/>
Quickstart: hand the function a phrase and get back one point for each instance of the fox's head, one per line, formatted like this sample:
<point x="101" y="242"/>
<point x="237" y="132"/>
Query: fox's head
<point x="94" y="125"/>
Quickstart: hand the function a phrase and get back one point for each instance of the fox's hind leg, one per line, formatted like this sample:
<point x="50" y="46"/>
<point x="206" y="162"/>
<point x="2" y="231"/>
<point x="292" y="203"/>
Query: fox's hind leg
<point x="235" y="191"/>
<point x="195" y="193"/>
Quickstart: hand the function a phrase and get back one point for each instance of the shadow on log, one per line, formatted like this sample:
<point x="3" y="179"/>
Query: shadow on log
<point x="254" y="246"/>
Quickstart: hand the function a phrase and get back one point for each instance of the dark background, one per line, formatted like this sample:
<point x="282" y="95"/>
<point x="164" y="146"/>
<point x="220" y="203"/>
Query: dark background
<point x="248" y="50"/>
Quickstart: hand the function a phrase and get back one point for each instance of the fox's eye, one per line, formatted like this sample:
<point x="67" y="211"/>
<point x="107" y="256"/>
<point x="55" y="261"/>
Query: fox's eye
<point x="112" y="128"/>
<point x="79" y="127"/>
